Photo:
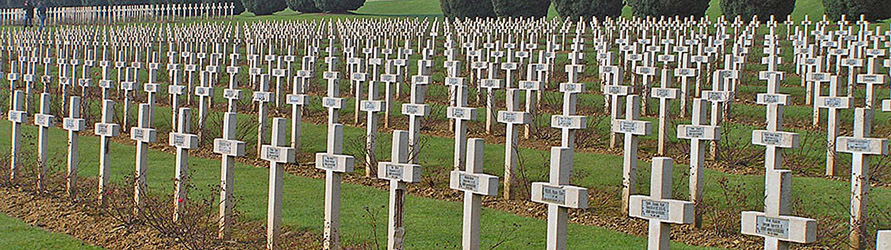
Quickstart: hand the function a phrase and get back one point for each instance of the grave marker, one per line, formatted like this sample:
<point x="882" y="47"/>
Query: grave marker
<point x="399" y="172"/>
<point x="17" y="116"/>
<point x="44" y="121"/>
<point x="105" y="129"/>
<point x="559" y="196"/>
<point x="277" y="153"/>
<point x="861" y="147"/>
<point x="335" y="163"/>
<point x="698" y="132"/>
<point x="632" y="128"/>
<point x="184" y="141"/>
<point x="659" y="208"/>
<point x="475" y="184"/>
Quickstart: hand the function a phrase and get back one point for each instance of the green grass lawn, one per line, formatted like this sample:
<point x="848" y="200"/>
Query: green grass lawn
<point x="16" y="234"/>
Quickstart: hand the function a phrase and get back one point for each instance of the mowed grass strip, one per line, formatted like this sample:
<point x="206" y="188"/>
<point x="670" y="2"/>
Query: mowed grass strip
<point x="16" y="234"/>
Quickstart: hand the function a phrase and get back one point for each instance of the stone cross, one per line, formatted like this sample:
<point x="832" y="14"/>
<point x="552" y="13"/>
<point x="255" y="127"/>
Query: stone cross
<point x="12" y="77"/>
<point x="277" y="153"/>
<point x="372" y="107"/>
<point x="232" y="94"/>
<point x="475" y="184"/>
<point x="460" y="114"/>
<point x="17" y="115"/>
<point x="853" y="66"/>
<point x="773" y="138"/>
<point x="659" y="208"/>
<point x="335" y="164"/>
<point x="44" y="121"/>
<point x="685" y="74"/>
<point x="332" y="102"/>
<point x="356" y="78"/>
<point x="512" y="118"/>
<point x="229" y="148"/>
<point x="531" y="85"/>
<point x="631" y="127"/>
<point x="698" y="132"/>
<point x="664" y="94"/>
<point x="775" y="224"/>
<point x="871" y="80"/>
<point x="175" y="90"/>
<point x="143" y="134"/>
<point x="559" y="196"/>
<point x="297" y="99"/>
<point x="718" y="97"/>
<point x="399" y="172"/>
<point x="278" y="72"/>
<point x="491" y="84"/>
<point x="415" y="110"/>
<point x="74" y="124"/>
<point x="184" y="141"/>
<point x="861" y="147"/>
<point x="568" y="121"/>
<point x="105" y="129"/>
<point x="815" y="80"/>
<point x="391" y="80"/>
<point x="645" y="72"/>
<point x="614" y="90"/>
<point x="832" y="103"/>
<point x="262" y="97"/>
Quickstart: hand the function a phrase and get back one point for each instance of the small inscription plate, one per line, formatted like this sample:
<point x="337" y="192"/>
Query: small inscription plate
<point x="654" y="209"/>
<point x="773" y="227"/>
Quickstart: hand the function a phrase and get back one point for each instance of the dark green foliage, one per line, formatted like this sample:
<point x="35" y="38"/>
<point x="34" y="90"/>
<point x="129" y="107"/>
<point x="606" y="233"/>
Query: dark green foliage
<point x="467" y="8"/>
<point x="872" y="10"/>
<point x="303" y="6"/>
<point x="587" y="8"/>
<point x="338" y="6"/>
<point x="669" y="8"/>
<point x="264" y="7"/>
<point x="521" y="8"/>
<point x="763" y="8"/>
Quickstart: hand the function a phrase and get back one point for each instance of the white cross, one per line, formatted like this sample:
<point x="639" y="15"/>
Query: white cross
<point x="262" y="97"/>
<point x="335" y="164"/>
<point x="416" y="109"/>
<point x="491" y="83"/>
<point x="399" y="172"/>
<point x="105" y="129"/>
<point x="632" y="128"/>
<point x="277" y="153"/>
<point x="183" y="140"/>
<point x="664" y="94"/>
<point x="44" y="121"/>
<point x="229" y="148"/>
<point x="659" y="208"/>
<point x="475" y="184"/>
<point x="559" y="196"/>
<point x="143" y="134"/>
<point x="391" y="80"/>
<point x="511" y="118"/>
<point x="460" y="114"/>
<point x="17" y="116"/>
<point x="860" y="146"/>
<point x="698" y="132"/>
<point x="833" y="102"/>
<point x="774" y="224"/>
<point x="73" y="123"/>
<point x="614" y="89"/>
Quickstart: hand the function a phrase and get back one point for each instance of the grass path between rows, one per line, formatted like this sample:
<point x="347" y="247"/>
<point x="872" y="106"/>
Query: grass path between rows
<point x="16" y="234"/>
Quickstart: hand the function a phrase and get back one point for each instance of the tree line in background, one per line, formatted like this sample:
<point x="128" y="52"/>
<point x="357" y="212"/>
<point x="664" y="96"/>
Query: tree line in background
<point x="834" y="9"/>
<point x="872" y="9"/>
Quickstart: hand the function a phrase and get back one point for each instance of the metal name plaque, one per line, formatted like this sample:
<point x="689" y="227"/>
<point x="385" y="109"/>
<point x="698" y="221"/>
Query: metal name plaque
<point x="773" y="227"/>
<point x="654" y="209"/>
<point x="553" y="194"/>
<point x="468" y="182"/>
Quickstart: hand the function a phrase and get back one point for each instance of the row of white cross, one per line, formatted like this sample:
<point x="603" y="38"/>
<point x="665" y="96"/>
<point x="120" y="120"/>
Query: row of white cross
<point x="115" y="14"/>
<point x="557" y="193"/>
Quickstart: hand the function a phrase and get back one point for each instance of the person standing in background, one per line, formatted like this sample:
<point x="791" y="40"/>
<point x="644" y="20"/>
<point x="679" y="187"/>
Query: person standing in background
<point x="41" y="14"/>
<point x="29" y="12"/>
